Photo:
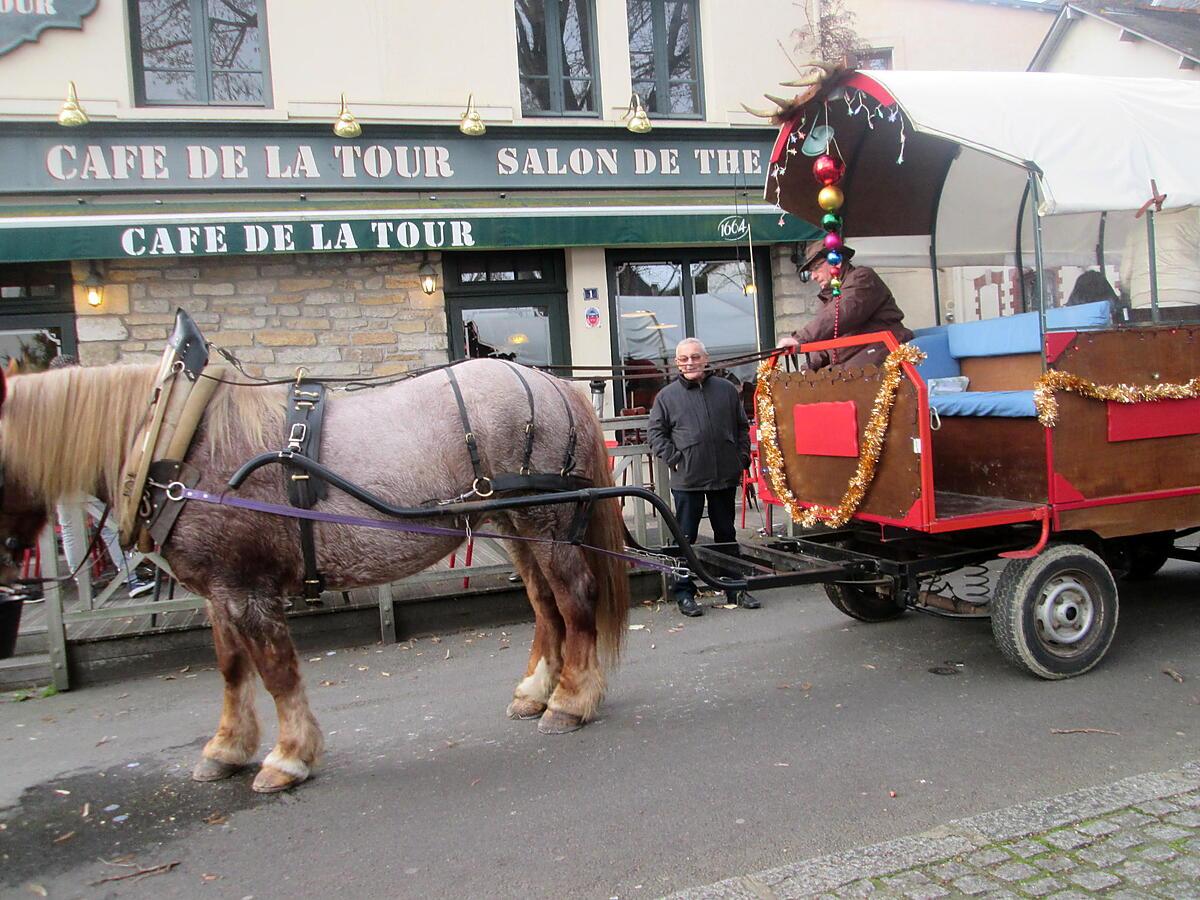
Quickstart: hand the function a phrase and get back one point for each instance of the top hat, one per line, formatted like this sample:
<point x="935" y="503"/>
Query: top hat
<point x="816" y="251"/>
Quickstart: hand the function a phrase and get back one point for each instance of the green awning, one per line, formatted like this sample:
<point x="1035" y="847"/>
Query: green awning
<point x="47" y="233"/>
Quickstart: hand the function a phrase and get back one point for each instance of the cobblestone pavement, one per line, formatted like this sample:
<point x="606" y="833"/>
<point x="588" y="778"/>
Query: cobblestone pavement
<point x="1137" y="838"/>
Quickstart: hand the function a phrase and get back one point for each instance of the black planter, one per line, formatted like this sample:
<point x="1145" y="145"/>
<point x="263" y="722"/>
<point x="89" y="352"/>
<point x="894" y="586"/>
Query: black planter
<point x="10" y="622"/>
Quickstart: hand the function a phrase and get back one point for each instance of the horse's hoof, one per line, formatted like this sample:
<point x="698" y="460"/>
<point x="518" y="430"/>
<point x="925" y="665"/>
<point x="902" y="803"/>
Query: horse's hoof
<point x="555" y="721"/>
<point x="524" y="708"/>
<point x="213" y="769"/>
<point x="271" y="780"/>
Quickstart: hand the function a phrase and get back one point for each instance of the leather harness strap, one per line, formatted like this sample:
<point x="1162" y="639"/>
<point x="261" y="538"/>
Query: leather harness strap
<point x="481" y="480"/>
<point x="305" y="412"/>
<point x="568" y="465"/>
<point x="516" y="370"/>
<point x="485" y="485"/>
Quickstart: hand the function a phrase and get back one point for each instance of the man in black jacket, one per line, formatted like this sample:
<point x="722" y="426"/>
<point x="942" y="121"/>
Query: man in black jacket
<point x="699" y="427"/>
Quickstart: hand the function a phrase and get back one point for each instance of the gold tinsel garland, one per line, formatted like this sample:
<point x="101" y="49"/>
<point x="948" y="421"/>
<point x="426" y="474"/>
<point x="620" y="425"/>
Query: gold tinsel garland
<point x="1051" y="382"/>
<point x="873" y="436"/>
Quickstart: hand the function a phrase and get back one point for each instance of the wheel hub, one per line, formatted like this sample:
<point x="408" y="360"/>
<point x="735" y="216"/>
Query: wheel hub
<point x="1065" y="610"/>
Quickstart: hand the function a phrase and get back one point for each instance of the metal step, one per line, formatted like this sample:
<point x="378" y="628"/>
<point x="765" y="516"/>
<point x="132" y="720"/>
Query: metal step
<point x="29" y="670"/>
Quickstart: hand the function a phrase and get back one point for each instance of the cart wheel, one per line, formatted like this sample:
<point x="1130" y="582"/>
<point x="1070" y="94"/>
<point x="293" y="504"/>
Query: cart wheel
<point x="1055" y="615"/>
<point x="866" y="602"/>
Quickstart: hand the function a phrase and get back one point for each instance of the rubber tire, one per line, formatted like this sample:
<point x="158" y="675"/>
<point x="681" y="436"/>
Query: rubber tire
<point x="1014" y="620"/>
<point x="864" y="602"/>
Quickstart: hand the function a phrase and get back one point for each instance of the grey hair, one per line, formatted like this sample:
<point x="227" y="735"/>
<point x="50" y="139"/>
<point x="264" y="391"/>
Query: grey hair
<point x="699" y="343"/>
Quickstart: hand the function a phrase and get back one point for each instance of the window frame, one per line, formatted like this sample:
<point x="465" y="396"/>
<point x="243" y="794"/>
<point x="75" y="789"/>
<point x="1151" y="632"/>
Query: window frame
<point x="203" y="68"/>
<point x="47" y="311"/>
<point x="686" y="256"/>
<point x="554" y="69"/>
<point x="662" y="77"/>
<point x="550" y="291"/>
<point x="885" y="54"/>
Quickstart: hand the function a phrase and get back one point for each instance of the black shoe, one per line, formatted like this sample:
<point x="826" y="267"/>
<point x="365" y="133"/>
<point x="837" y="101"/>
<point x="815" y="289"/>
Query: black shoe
<point x="745" y="600"/>
<point x="689" y="607"/>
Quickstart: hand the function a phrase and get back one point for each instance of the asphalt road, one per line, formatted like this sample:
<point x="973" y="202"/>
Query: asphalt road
<point x="737" y="742"/>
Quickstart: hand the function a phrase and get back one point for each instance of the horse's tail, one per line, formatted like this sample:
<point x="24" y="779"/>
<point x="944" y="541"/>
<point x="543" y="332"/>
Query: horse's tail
<point x="606" y="530"/>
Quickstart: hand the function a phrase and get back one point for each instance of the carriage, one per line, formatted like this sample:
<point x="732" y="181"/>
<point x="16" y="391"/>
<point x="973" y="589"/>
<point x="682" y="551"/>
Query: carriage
<point x="1060" y="443"/>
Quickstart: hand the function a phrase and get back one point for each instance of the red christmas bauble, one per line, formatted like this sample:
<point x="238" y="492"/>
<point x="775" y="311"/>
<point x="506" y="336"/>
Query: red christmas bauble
<point x="828" y="169"/>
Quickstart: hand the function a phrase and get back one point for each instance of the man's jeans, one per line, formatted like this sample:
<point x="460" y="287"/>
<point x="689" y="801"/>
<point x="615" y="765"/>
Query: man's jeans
<point x="689" y="509"/>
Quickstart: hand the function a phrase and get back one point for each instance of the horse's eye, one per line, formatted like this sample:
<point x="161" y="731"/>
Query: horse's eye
<point x="12" y="543"/>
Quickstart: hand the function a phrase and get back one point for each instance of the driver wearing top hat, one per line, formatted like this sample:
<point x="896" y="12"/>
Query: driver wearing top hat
<point x="865" y="305"/>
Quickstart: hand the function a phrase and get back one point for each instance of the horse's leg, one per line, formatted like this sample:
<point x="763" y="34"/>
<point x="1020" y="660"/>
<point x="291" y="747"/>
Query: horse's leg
<point x="581" y="681"/>
<point x="545" y="657"/>
<point x="236" y="740"/>
<point x="300" y="741"/>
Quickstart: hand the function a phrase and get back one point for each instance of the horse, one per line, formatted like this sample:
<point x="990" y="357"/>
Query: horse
<point x="69" y="430"/>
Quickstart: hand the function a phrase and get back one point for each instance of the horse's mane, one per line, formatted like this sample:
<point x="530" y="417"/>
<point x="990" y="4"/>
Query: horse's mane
<point x="242" y="421"/>
<point x="67" y="430"/>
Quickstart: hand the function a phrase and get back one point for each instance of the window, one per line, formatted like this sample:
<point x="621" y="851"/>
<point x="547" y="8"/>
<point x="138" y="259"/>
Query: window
<point x="877" y="58"/>
<point x="556" y="57"/>
<point x="37" y="318"/>
<point x="481" y="268"/>
<point x="660" y="297"/>
<point x="664" y="57"/>
<point x="200" y="52"/>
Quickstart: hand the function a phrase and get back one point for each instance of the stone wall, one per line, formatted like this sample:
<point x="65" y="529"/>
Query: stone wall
<point x="337" y="314"/>
<point x="795" y="303"/>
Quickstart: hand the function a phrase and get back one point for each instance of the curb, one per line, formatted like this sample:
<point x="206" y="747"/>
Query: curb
<point x="826" y="873"/>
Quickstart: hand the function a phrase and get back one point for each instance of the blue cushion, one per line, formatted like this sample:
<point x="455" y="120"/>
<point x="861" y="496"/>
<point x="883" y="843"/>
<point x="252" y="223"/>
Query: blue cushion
<point x="1085" y="315"/>
<point x="996" y="337"/>
<point x="1022" y="333"/>
<point x="932" y="329"/>
<point x="1011" y="404"/>
<point x="938" y="361"/>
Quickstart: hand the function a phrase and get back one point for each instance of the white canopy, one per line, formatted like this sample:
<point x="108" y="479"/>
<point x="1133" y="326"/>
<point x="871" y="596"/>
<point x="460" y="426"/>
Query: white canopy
<point x="1097" y="141"/>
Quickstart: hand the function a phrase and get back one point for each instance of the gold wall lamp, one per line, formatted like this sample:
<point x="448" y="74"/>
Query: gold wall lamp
<point x="346" y="125"/>
<point x="471" y="123"/>
<point x="72" y="115"/>
<point x="635" y="116"/>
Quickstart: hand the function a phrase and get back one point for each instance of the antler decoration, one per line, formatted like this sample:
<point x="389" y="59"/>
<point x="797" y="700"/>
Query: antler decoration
<point x="815" y="82"/>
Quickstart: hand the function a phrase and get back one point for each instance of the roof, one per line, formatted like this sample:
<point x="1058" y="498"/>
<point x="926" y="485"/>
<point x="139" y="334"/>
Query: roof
<point x="1172" y="24"/>
<point x="1041" y="5"/>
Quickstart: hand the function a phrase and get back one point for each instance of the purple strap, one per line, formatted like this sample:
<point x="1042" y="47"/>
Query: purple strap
<point x="295" y="512"/>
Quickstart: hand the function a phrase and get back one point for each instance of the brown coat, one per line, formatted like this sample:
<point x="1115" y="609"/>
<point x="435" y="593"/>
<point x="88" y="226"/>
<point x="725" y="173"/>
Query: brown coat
<point x="866" y="306"/>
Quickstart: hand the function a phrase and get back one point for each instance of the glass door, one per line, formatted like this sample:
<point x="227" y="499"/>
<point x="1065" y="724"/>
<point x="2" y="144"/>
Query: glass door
<point x="662" y="296"/>
<point x="512" y="330"/>
<point x="507" y="306"/>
